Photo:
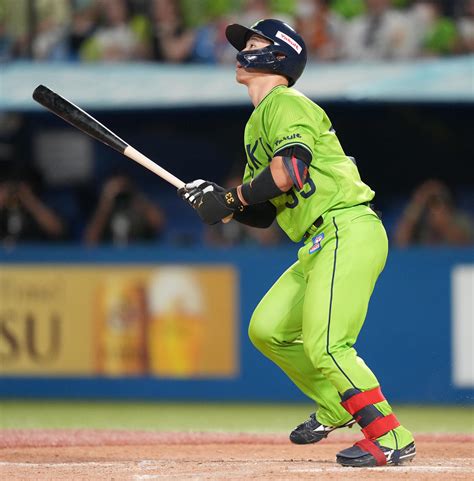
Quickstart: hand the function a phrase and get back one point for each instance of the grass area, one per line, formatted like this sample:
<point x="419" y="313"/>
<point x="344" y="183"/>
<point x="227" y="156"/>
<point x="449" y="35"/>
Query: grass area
<point x="204" y="417"/>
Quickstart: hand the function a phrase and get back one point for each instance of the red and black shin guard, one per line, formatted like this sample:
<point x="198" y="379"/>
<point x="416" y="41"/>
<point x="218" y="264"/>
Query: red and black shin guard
<point x="361" y="406"/>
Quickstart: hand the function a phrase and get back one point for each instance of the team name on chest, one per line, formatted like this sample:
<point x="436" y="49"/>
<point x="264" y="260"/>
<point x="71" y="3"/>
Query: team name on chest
<point x="259" y="154"/>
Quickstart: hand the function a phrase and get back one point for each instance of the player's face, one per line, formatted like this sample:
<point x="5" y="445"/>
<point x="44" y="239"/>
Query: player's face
<point x="243" y="75"/>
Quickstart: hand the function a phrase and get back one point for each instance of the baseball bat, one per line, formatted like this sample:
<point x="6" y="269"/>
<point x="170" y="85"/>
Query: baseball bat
<point x="89" y="125"/>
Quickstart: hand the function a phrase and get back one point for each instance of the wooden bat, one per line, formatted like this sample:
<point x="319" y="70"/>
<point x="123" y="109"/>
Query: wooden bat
<point x="83" y="121"/>
<point x="86" y="123"/>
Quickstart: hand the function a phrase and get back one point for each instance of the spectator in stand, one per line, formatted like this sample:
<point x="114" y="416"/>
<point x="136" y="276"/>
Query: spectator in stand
<point x="23" y="216"/>
<point x="348" y="8"/>
<point x="431" y="218"/>
<point x="465" y="25"/>
<point x="6" y="41"/>
<point x="124" y="215"/>
<point x="115" y="40"/>
<point x="379" y="34"/>
<point x="49" y="42"/>
<point x="82" y="28"/>
<point x="211" y="45"/>
<point x="441" y="38"/>
<point x="171" y="40"/>
<point x="321" y="28"/>
<point x="420" y="18"/>
<point x="250" y="12"/>
<point x="253" y="10"/>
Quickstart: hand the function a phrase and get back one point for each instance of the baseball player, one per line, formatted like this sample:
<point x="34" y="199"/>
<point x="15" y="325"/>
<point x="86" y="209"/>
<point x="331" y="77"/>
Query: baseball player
<point x="298" y="173"/>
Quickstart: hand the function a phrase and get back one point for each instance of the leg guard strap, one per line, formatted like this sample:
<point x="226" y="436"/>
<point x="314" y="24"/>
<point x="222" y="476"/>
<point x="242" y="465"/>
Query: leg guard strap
<point x="367" y="415"/>
<point x="359" y="400"/>
<point x="380" y="426"/>
<point x="361" y="405"/>
<point x="374" y="450"/>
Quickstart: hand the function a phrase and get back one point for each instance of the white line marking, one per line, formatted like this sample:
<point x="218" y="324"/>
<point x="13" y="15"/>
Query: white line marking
<point x="144" y="477"/>
<point x="152" y="464"/>
<point x="63" y="465"/>
<point x="147" y="464"/>
<point x="394" y="469"/>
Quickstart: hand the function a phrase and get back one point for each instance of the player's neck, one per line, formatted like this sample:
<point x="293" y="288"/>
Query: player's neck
<point x="259" y="87"/>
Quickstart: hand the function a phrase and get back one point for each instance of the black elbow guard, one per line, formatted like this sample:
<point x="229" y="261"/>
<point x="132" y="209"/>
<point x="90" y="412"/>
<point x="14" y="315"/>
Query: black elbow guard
<point x="259" y="215"/>
<point x="297" y="160"/>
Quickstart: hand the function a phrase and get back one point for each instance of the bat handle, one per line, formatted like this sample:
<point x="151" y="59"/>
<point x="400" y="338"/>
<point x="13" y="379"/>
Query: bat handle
<point x="137" y="156"/>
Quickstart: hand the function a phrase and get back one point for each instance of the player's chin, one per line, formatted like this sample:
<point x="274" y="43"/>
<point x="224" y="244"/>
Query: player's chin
<point x="240" y="77"/>
<point x="243" y="75"/>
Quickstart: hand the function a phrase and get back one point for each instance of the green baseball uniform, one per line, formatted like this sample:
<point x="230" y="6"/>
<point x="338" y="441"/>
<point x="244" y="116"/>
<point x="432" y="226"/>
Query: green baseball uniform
<point x="310" y="319"/>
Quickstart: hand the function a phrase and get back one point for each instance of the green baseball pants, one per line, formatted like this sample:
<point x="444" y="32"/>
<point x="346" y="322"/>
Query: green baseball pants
<point x="309" y="320"/>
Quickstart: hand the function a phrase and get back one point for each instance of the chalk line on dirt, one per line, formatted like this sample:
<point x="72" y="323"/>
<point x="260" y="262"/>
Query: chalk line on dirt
<point x="149" y="464"/>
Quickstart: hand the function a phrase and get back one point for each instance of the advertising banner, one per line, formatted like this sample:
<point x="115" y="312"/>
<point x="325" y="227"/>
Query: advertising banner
<point x="462" y="325"/>
<point x="165" y="321"/>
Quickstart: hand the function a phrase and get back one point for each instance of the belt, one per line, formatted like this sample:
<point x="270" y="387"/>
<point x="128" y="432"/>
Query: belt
<point x="319" y="221"/>
<point x="316" y="224"/>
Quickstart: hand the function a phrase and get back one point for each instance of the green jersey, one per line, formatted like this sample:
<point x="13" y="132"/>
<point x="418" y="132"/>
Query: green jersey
<point x="284" y="118"/>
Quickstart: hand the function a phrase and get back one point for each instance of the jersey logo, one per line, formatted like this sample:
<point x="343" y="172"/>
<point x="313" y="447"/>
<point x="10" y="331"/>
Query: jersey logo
<point x="292" y="43"/>
<point x="316" y="243"/>
<point x="288" y="137"/>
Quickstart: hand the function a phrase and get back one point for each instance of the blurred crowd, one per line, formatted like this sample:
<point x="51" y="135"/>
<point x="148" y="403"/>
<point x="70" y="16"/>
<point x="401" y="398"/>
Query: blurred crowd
<point x="116" y="209"/>
<point x="184" y="31"/>
<point x="123" y="215"/>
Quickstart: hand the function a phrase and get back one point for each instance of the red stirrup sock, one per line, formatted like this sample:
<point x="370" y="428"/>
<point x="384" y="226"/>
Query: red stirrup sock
<point x="361" y="406"/>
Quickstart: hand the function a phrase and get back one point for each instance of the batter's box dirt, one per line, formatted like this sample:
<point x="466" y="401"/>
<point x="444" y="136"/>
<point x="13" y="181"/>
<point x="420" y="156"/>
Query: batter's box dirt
<point x="139" y="456"/>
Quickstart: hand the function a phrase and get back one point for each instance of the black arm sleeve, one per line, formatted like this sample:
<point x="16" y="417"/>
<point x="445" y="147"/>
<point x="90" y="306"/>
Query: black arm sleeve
<point x="259" y="215"/>
<point x="261" y="188"/>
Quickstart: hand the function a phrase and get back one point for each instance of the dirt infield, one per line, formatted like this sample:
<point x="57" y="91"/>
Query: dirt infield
<point x="138" y="456"/>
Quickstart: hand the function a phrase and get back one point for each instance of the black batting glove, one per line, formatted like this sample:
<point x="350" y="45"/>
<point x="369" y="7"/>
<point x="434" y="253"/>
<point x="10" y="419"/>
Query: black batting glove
<point x="193" y="191"/>
<point x="214" y="206"/>
<point x="211" y="201"/>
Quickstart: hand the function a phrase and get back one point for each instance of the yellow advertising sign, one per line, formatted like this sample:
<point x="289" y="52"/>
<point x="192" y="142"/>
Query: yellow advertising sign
<point x="165" y="321"/>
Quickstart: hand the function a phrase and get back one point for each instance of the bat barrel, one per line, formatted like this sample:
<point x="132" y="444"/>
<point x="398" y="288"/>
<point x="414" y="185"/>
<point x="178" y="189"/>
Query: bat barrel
<point x="77" y="117"/>
<point x="80" y="119"/>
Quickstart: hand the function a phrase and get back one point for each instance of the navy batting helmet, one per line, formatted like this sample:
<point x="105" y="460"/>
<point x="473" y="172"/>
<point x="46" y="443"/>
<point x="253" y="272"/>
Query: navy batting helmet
<point x="285" y="56"/>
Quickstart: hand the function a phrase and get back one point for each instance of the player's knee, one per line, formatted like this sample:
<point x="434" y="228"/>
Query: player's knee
<point x="258" y="331"/>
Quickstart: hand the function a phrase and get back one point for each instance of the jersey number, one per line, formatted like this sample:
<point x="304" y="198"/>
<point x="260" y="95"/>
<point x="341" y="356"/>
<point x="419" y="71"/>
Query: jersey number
<point x="308" y="190"/>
